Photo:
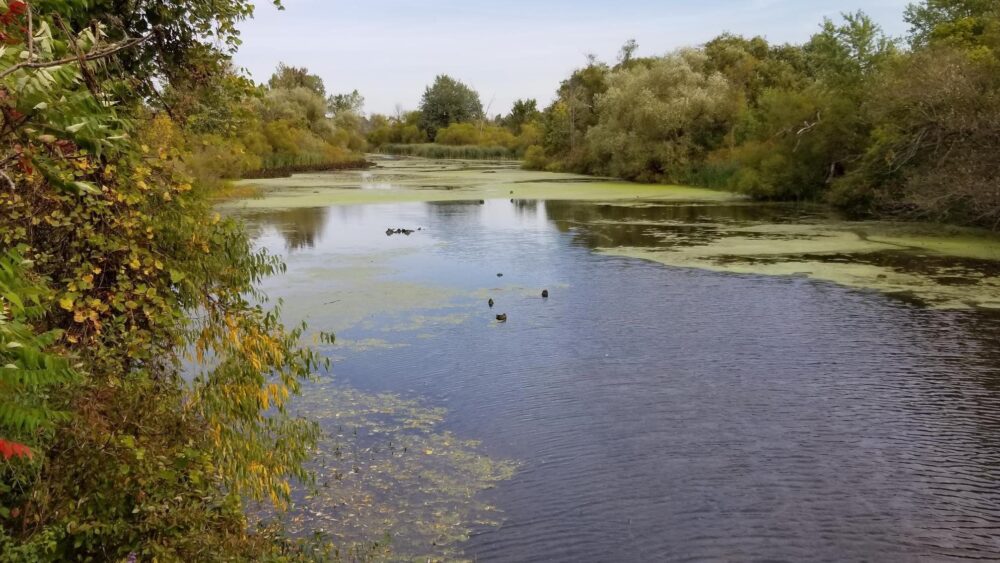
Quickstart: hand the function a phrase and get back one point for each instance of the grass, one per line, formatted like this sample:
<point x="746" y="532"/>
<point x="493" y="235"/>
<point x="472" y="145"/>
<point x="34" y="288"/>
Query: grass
<point x="286" y="167"/>
<point x="464" y="152"/>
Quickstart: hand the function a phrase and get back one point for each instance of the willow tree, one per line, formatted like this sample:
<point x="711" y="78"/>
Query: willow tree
<point x="654" y="122"/>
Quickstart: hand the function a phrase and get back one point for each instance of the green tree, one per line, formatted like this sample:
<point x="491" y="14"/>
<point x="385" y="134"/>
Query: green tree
<point x="448" y="101"/>
<point x="958" y="22"/>
<point x="655" y="122"/>
<point x="352" y="102"/>
<point x="116" y="246"/>
<point x="291" y="77"/>
<point x="522" y="112"/>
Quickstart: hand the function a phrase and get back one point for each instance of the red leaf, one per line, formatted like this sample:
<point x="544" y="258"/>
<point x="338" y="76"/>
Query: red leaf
<point x="13" y="449"/>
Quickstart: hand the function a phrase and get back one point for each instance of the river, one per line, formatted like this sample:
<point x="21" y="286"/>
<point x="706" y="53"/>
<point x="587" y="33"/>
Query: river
<point x="708" y="379"/>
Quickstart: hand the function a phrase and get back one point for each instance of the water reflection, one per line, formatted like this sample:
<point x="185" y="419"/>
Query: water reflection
<point x="657" y="413"/>
<point x="300" y="228"/>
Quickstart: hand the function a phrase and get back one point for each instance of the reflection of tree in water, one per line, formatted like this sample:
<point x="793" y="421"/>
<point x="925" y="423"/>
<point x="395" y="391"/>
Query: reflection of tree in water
<point x="526" y="206"/>
<point x="461" y="208"/>
<point x="611" y="225"/>
<point x="299" y="227"/>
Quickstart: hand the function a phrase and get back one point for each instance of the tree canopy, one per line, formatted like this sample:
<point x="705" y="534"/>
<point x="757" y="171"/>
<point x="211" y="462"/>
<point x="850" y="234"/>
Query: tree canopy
<point x="448" y="101"/>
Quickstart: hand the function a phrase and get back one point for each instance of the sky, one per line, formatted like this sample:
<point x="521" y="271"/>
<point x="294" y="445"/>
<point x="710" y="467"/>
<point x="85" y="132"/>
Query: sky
<point x="390" y="50"/>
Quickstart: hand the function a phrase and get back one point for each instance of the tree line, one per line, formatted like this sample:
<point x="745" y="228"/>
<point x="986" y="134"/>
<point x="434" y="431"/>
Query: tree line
<point x="872" y="124"/>
<point x="875" y="125"/>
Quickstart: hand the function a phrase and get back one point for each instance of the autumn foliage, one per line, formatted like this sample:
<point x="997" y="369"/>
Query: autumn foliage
<point x="143" y="380"/>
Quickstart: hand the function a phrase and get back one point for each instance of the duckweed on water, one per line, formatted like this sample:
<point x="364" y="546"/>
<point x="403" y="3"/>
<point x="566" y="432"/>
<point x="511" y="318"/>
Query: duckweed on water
<point x="385" y="468"/>
<point x="354" y="291"/>
<point x="398" y="181"/>
<point x="944" y="271"/>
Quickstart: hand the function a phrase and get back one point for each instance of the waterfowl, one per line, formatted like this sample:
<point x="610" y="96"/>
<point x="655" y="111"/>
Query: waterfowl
<point x="545" y="294"/>
<point x="499" y="275"/>
<point x="502" y="318"/>
<point x="490" y="302"/>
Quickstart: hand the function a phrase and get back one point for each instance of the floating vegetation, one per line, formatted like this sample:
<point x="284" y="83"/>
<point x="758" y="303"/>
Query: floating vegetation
<point x="409" y="180"/>
<point x="386" y="468"/>
<point x="882" y="257"/>
<point x="367" y="344"/>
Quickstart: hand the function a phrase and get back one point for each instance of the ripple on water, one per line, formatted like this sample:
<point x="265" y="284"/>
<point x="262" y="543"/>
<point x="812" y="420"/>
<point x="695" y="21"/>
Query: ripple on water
<point x="657" y="413"/>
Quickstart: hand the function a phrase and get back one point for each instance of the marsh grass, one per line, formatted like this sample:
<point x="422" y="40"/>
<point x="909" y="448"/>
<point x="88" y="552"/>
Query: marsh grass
<point x="280" y="167"/>
<point x="434" y="150"/>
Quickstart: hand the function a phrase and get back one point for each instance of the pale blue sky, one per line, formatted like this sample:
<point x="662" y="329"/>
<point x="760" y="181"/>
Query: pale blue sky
<point x="391" y="49"/>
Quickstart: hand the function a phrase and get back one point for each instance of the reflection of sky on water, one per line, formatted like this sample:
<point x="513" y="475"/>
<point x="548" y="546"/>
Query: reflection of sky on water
<point x="660" y="412"/>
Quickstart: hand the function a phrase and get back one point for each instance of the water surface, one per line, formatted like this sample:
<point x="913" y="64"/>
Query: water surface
<point x="688" y="405"/>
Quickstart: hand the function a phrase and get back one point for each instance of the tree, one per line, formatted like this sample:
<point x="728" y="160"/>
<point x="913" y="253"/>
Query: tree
<point x="654" y="123"/>
<point x="845" y="55"/>
<point x="932" y="151"/>
<point x="522" y="112"/>
<point x="115" y="244"/>
<point x="290" y="77"/>
<point x="627" y="51"/>
<point x="959" y="22"/>
<point x="352" y="103"/>
<point x="448" y="101"/>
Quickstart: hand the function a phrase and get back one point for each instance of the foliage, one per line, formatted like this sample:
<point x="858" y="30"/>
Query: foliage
<point x="470" y="134"/>
<point x="848" y="117"/>
<point x="522" y="113"/>
<point x="290" y="78"/>
<point x="448" y="101"/>
<point x="139" y="363"/>
<point x="433" y="150"/>
<point x="350" y="103"/>
<point x="653" y="122"/>
<point x="29" y="369"/>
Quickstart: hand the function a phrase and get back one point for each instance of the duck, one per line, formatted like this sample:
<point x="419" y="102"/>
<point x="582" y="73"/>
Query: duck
<point x="545" y="294"/>
<point x="502" y="317"/>
<point x="490" y="302"/>
<point x="499" y="275"/>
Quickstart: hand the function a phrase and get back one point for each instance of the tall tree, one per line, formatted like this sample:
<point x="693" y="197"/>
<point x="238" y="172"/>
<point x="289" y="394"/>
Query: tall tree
<point x="290" y="77"/>
<point x="448" y="101"/>
<point x="352" y="102"/>
<point x="523" y="111"/>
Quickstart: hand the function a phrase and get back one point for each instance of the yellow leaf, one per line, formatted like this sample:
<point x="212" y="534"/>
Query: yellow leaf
<point x="66" y="303"/>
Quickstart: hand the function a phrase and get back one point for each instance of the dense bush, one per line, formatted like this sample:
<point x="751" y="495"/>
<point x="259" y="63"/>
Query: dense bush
<point x="143" y="382"/>
<point x="849" y="117"/>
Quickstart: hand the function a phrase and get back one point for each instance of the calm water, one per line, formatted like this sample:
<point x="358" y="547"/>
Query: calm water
<point x="657" y="413"/>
